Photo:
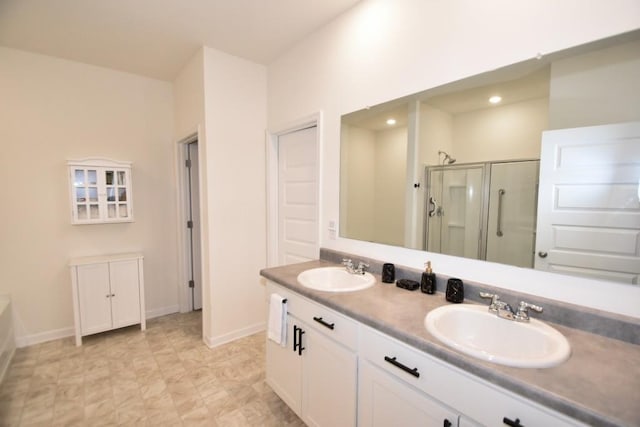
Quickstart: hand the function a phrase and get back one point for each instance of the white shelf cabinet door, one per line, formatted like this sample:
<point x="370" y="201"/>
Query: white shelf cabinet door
<point x="284" y="370"/>
<point x="125" y="293"/>
<point x="329" y="382"/>
<point x="386" y="401"/>
<point x="108" y="293"/>
<point x="94" y="296"/>
<point x="100" y="191"/>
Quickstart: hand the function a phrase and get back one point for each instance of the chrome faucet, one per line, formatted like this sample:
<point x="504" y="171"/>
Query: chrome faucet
<point x="348" y="264"/>
<point x="360" y="269"/>
<point x="505" y="311"/>
<point x="523" y="311"/>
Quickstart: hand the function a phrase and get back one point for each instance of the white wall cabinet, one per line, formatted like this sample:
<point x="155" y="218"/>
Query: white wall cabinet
<point x="316" y="373"/>
<point x="108" y="293"/>
<point x="100" y="191"/>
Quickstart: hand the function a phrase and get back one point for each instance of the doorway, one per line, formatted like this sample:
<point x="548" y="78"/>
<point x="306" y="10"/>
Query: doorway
<point x="191" y="224"/>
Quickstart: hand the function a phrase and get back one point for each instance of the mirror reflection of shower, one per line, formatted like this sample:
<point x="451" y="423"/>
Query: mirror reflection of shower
<point x="447" y="158"/>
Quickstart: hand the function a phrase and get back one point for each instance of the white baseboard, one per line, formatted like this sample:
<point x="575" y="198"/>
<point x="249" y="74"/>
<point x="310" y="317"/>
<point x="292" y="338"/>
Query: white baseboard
<point x="158" y="312"/>
<point x="212" y="342"/>
<point x="33" y="339"/>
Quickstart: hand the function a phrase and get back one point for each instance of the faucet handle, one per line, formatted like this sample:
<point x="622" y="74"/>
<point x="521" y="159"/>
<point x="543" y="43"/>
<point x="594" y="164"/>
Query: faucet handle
<point x="347" y="261"/>
<point x="361" y="267"/>
<point x="495" y="298"/>
<point x="523" y="311"/>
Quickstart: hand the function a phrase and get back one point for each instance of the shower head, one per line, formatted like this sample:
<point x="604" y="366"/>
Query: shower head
<point x="447" y="158"/>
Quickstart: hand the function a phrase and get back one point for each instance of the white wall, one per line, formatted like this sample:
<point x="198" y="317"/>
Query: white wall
<point x="382" y="50"/>
<point x="436" y="134"/>
<point x="580" y="84"/>
<point x="390" y="172"/>
<point x="508" y="132"/>
<point x="53" y="110"/>
<point x="356" y="189"/>
<point x="235" y="108"/>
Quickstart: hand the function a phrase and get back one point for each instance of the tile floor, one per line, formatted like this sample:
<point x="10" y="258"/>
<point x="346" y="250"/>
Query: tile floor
<point x="165" y="376"/>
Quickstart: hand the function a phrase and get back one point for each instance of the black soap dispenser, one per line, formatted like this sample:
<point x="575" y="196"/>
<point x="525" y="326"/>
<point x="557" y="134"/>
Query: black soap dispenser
<point x="428" y="283"/>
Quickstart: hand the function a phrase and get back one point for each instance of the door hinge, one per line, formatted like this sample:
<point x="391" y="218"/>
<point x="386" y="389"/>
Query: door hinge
<point x="189" y="224"/>
<point x="187" y="163"/>
<point x="192" y="284"/>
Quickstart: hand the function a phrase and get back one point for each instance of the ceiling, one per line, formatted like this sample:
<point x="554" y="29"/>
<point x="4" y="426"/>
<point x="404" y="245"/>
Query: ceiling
<point x="156" y="38"/>
<point x="459" y="97"/>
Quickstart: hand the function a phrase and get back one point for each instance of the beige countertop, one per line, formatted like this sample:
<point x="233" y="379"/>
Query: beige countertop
<point x="598" y="385"/>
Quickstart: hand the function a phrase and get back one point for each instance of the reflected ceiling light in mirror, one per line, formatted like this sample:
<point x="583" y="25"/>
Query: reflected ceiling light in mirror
<point x="391" y="122"/>
<point x="495" y="99"/>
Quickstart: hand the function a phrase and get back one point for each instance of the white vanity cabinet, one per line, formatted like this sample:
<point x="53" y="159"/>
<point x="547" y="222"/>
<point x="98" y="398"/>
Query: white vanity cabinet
<point x="100" y="191"/>
<point x="438" y="386"/>
<point x="316" y="372"/>
<point x="108" y="293"/>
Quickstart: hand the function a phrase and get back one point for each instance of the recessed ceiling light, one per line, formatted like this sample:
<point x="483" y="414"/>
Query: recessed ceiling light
<point x="391" y="122"/>
<point x="495" y="99"/>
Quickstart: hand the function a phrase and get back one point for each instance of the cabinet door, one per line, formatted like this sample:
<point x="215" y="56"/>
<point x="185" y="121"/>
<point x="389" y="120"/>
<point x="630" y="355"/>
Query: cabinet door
<point x="386" y="401"/>
<point x="125" y="291"/>
<point x="85" y="189"/>
<point x="284" y="370"/>
<point x="94" y="298"/>
<point x="117" y="194"/>
<point x="329" y="382"/>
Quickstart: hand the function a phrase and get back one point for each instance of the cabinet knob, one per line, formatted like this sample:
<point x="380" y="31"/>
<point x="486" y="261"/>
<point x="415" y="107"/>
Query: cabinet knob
<point x="108" y="296"/>
<point x="447" y="423"/>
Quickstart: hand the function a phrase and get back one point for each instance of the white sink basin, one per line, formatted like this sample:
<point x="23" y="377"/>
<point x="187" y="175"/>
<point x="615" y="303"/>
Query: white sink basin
<point x="335" y="279"/>
<point x="474" y="331"/>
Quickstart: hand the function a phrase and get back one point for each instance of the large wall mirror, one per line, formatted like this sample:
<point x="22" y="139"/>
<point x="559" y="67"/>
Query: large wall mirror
<point x="533" y="165"/>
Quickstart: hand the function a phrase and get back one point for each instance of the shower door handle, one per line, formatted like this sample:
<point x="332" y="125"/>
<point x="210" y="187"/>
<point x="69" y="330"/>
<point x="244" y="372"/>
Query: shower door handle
<point x="499" y="232"/>
<point x="432" y="211"/>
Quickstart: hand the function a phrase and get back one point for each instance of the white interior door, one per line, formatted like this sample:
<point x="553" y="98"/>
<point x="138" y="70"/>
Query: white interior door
<point x="513" y="193"/>
<point x="298" y="196"/>
<point x="194" y="229"/>
<point x="589" y="202"/>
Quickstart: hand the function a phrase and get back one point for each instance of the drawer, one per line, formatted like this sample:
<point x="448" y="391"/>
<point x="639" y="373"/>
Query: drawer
<point x="325" y="320"/>
<point x="455" y="387"/>
<point x="394" y="357"/>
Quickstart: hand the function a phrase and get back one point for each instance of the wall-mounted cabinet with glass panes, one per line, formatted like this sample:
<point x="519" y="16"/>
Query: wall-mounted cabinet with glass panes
<point x="100" y="191"/>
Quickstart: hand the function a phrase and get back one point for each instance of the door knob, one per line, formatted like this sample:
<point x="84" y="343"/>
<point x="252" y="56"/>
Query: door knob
<point x="542" y="254"/>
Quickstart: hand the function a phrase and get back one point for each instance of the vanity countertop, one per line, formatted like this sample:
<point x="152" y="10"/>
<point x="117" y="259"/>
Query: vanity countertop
<point x="598" y="385"/>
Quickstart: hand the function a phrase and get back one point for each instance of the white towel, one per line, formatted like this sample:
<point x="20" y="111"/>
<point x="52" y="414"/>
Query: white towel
<point x="278" y="320"/>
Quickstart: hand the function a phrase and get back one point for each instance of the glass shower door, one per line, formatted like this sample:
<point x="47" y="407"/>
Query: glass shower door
<point x="512" y="213"/>
<point x="454" y="210"/>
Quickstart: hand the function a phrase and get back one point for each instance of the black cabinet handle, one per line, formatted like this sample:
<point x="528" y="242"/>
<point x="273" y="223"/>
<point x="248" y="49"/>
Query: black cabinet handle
<point x="300" y="347"/>
<point x="511" y="423"/>
<point x="323" y="323"/>
<point x="447" y="423"/>
<point x="295" y="337"/>
<point x="397" y="364"/>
